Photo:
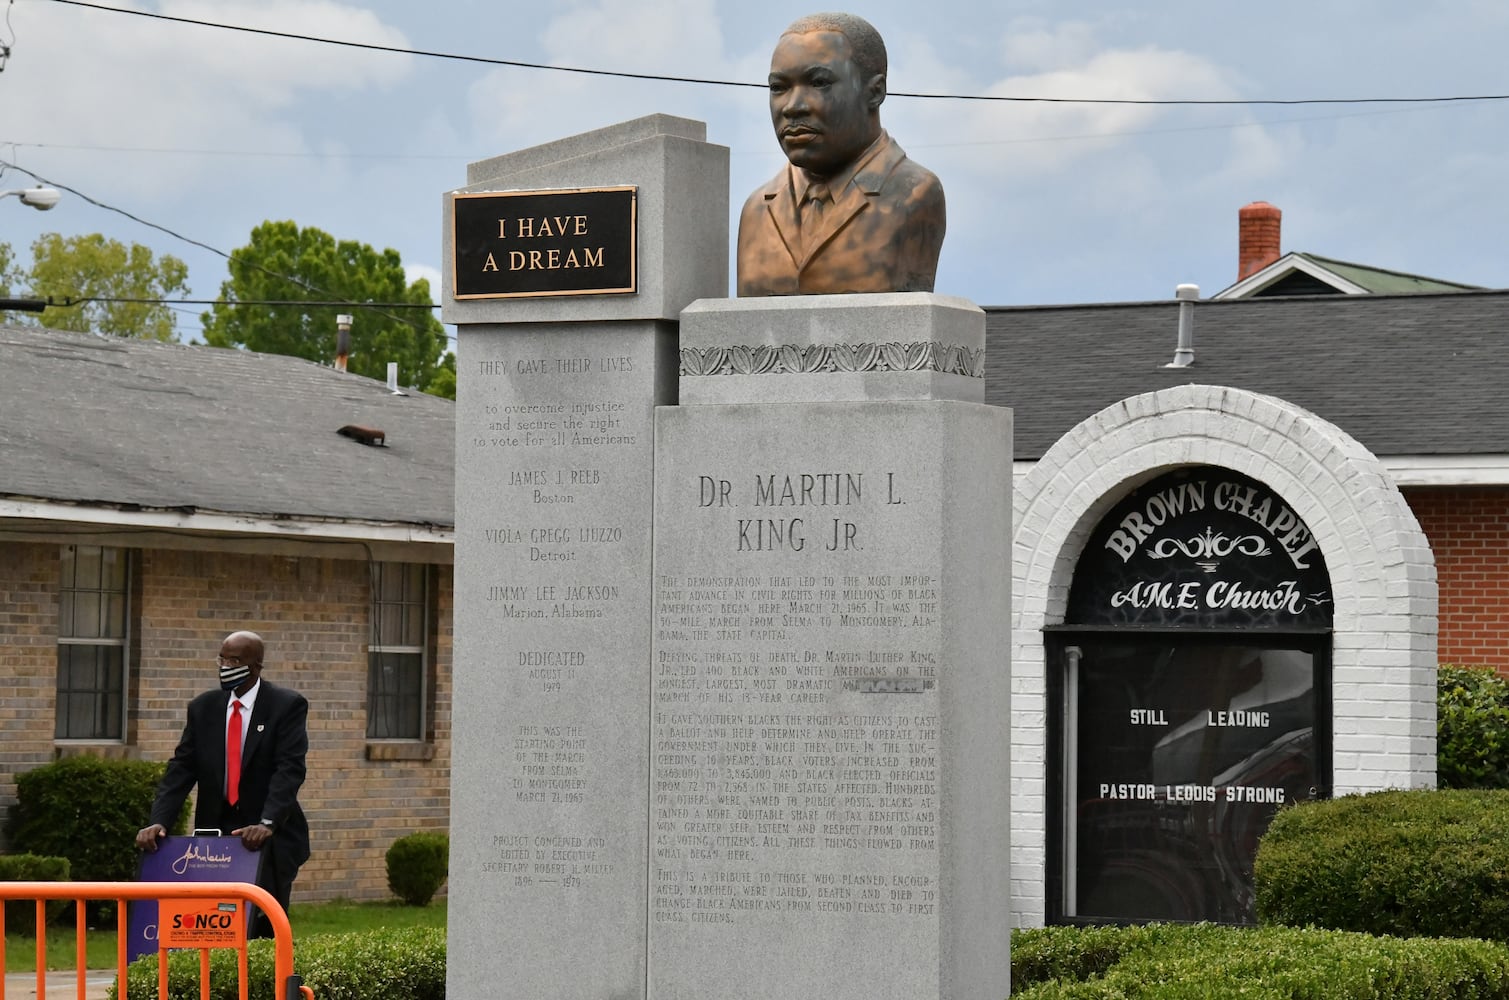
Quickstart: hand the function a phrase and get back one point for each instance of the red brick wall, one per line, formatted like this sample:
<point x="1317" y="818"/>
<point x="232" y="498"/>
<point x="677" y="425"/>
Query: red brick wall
<point x="1468" y="528"/>
<point x="313" y="614"/>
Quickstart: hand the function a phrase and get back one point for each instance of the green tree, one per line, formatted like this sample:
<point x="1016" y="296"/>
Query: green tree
<point x="443" y="382"/>
<point x="284" y="262"/>
<point x="94" y="267"/>
<point x="7" y="273"/>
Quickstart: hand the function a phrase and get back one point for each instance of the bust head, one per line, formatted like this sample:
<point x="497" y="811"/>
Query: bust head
<point x="850" y="212"/>
<point x="827" y="82"/>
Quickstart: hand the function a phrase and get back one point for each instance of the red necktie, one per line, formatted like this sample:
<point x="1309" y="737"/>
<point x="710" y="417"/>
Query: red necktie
<point x="233" y="755"/>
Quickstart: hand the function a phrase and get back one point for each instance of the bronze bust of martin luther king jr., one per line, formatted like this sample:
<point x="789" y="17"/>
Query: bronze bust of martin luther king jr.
<point x="849" y="212"/>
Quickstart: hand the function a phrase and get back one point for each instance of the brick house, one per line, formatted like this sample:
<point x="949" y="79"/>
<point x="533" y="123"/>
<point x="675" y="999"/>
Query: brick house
<point x="155" y="496"/>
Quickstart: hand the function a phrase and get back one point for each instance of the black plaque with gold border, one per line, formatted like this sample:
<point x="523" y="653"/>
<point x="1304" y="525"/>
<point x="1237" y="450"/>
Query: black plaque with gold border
<point x="565" y="241"/>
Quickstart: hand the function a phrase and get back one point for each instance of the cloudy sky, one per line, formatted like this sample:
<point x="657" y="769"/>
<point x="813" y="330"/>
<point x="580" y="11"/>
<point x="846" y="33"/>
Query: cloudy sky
<point x="209" y="132"/>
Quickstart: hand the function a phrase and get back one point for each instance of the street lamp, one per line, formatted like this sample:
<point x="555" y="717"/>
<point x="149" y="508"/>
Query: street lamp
<point x="41" y="198"/>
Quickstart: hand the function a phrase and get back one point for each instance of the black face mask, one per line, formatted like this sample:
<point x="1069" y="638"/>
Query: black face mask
<point x="231" y="675"/>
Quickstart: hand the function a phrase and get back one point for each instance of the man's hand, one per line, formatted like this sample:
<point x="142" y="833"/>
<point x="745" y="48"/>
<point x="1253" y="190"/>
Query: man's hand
<point x="253" y="837"/>
<point x="148" y="836"/>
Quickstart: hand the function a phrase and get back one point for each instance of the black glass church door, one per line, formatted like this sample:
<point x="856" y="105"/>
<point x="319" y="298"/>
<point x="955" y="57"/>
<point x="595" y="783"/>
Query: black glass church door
<point x="1190" y="690"/>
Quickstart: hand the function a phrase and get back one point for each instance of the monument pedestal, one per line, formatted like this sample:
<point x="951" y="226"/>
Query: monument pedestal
<point x="731" y="682"/>
<point x="554" y="486"/>
<point x="829" y="734"/>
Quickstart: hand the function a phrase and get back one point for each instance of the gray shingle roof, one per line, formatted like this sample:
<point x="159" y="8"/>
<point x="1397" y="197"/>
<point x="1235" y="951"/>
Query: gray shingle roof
<point x="143" y="424"/>
<point x="137" y="423"/>
<point x="1404" y="374"/>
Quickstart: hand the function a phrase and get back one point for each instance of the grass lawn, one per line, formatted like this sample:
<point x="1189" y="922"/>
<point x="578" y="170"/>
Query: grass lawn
<point x="309" y="920"/>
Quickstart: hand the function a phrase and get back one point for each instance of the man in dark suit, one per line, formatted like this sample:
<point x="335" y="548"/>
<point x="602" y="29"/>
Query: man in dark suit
<point x="850" y="212"/>
<point x="244" y="746"/>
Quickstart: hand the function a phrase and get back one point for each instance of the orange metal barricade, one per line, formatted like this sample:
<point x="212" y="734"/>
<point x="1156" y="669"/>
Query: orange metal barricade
<point x="286" y="985"/>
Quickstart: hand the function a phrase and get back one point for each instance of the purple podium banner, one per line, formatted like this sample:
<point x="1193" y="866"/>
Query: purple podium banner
<point x="185" y="859"/>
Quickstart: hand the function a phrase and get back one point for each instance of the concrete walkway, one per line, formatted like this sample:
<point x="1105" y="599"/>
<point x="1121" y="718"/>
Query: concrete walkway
<point x="60" y="985"/>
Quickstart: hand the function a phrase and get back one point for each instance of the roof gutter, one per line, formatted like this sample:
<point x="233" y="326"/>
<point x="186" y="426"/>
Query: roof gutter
<point x="223" y="523"/>
<point x="1409" y="470"/>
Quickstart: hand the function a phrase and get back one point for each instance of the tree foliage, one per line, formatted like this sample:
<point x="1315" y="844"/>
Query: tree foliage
<point x="93" y="266"/>
<point x="286" y="262"/>
<point x="1472" y="727"/>
<point x="7" y="273"/>
<point x="443" y="383"/>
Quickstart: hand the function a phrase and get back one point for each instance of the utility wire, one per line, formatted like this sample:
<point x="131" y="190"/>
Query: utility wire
<point x="242" y="154"/>
<point x="71" y="301"/>
<point x="299" y="282"/>
<point x="5" y="46"/>
<point x="5" y="164"/>
<point x="373" y="47"/>
<point x="453" y="157"/>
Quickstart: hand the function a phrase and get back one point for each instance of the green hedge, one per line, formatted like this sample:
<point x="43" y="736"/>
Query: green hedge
<point x="1431" y="863"/>
<point x="21" y="914"/>
<point x="1206" y="962"/>
<point x="87" y="809"/>
<point x="1472" y="728"/>
<point x="1154" y="962"/>
<point x="398" y="964"/>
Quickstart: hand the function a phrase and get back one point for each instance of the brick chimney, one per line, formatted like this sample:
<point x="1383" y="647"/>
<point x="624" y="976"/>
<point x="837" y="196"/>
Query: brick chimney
<point x="1258" y="237"/>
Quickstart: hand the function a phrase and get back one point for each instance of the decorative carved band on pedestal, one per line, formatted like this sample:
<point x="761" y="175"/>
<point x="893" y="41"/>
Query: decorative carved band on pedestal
<point x="789" y="359"/>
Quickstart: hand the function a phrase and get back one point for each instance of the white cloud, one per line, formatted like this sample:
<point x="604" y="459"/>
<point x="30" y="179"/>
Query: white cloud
<point x="272" y="71"/>
<point x="674" y="38"/>
<point x="413" y="272"/>
<point x="1036" y="44"/>
<point x="118" y="81"/>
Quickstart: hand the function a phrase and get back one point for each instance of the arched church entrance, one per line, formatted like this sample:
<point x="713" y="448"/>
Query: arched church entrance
<point x="1155" y="651"/>
<point x="1191" y="678"/>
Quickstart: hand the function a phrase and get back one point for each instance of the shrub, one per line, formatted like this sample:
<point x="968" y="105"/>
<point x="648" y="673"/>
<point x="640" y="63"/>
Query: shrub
<point x="1472" y="728"/>
<point x="402" y="964"/>
<point x="1066" y="953"/>
<point x="1156" y="962"/>
<point x="87" y="810"/>
<point x="1203" y="961"/>
<point x="21" y="914"/>
<point x="1432" y="863"/>
<point x="417" y="866"/>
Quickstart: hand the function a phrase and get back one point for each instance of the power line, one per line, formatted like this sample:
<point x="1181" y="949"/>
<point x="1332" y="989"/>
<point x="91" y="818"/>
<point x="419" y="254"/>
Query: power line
<point x="519" y="64"/>
<point x="6" y="164"/>
<point x="309" y="303"/>
<point x="299" y="282"/>
<point x="453" y="157"/>
<point x="241" y="154"/>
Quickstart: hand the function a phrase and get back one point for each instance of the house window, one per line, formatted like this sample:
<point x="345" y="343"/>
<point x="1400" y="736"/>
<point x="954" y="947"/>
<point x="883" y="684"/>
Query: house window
<point x="93" y="612"/>
<point x="396" y="660"/>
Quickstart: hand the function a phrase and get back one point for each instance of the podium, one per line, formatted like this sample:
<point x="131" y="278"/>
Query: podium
<point x="185" y="859"/>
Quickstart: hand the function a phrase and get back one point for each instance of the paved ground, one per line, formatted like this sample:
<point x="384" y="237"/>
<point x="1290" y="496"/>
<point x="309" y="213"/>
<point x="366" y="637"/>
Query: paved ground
<point x="60" y="985"/>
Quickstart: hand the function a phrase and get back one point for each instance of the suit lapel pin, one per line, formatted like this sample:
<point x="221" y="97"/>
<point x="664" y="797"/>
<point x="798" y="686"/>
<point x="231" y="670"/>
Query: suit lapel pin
<point x="260" y="728"/>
